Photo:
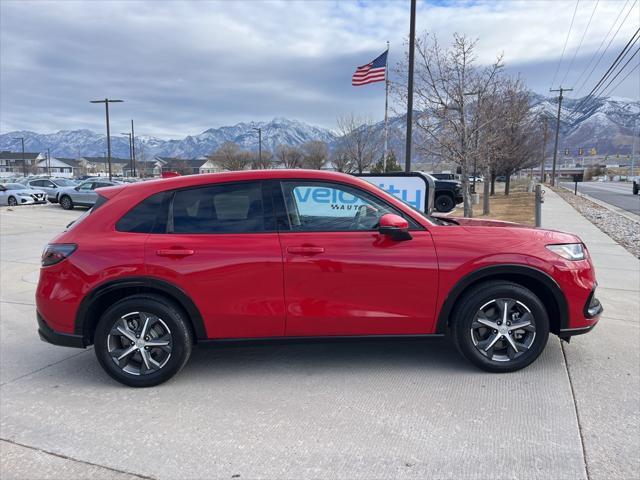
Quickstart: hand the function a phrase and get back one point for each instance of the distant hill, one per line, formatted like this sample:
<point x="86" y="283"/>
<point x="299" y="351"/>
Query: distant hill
<point x="606" y="124"/>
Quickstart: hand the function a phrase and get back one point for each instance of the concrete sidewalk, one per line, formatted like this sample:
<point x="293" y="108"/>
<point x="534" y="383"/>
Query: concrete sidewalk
<point x="604" y="366"/>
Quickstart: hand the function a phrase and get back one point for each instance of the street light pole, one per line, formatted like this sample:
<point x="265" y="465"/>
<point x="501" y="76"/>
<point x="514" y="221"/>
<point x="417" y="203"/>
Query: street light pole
<point x="412" y="42"/>
<point x="133" y="149"/>
<point x="49" y="161"/>
<point x="106" y="102"/>
<point x="24" y="163"/>
<point x="128" y="134"/>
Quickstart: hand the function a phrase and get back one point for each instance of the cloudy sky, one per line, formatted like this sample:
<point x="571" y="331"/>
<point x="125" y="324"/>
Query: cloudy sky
<point x="183" y="67"/>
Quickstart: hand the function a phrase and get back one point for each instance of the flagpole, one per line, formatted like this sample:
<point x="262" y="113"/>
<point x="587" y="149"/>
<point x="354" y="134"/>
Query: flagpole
<point x="386" y="108"/>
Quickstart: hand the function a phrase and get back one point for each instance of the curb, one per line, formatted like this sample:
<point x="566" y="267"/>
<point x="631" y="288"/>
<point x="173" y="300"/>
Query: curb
<point x="612" y="208"/>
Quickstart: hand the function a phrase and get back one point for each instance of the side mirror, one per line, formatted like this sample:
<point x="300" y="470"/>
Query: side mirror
<point x="77" y="189"/>
<point x="394" y="226"/>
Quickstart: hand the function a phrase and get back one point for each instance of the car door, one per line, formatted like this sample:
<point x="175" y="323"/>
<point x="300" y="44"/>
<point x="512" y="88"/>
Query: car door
<point x="341" y="276"/>
<point x="83" y="194"/>
<point x="221" y="248"/>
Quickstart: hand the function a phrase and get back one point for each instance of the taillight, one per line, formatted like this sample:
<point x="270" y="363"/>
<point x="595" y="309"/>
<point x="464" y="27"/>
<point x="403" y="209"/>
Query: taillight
<point x="56" y="252"/>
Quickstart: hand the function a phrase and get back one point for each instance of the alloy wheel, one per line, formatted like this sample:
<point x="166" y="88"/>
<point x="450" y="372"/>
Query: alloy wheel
<point x="139" y="343"/>
<point x="503" y="329"/>
<point x="12" y="202"/>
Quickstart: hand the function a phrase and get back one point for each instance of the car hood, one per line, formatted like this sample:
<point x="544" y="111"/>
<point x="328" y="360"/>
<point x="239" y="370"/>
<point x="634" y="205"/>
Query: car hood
<point x="29" y="191"/>
<point x="511" y="229"/>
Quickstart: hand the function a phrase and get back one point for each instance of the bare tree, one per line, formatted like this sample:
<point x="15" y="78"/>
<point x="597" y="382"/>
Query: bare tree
<point x="229" y="156"/>
<point x="288" y="156"/>
<point x="263" y="163"/>
<point x="315" y="154"/>
<point x="448" y="89"/>
<point x="358" y="141"/>
<point x="341" y="162"/>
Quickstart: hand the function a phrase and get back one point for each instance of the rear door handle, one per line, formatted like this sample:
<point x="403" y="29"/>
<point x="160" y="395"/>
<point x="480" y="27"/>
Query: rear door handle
<point x="174" y="252"/>
<point x="305" y="250"/>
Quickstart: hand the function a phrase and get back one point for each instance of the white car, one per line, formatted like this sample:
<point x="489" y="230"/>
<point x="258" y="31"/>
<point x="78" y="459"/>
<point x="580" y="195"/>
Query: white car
<point x="13" y="194"/>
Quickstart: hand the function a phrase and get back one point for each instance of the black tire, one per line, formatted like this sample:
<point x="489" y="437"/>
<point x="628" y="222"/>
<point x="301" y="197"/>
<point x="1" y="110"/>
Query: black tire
<point x="466" y="338"/>
<point x="66" y="203"/>
<point x="12" y="202"/>
<point x="635" y="188"/>
<point x="181" y="339"/>
<point x="445" y="203"/>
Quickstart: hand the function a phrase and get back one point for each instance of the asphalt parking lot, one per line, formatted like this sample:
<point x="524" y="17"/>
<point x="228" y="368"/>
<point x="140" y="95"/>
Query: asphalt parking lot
<point x="376" y="409"/>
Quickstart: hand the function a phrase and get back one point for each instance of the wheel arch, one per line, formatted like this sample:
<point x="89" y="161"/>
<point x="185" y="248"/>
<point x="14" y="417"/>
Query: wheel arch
<point x="539" y="282"/>
<point x="109" y="292"/>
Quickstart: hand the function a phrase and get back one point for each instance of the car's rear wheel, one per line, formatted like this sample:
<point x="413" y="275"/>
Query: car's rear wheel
<point x="444" y="203"/>
<point x="66" y="202"/>
<point x="143" y="340"/>
<point x="12" y="202"/>
<point x="501" y="326"/>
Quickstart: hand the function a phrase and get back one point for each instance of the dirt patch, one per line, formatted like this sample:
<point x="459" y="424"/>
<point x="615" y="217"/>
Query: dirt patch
<point x="518" y="206"/>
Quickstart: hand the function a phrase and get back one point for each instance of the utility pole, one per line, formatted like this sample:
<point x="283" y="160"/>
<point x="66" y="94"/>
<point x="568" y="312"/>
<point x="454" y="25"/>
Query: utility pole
<point x="49" y="161"/>
<point x="633" y="145"/>
<point x="24" y="163"/>
<point x="106" y="102"/>
<point x="412" y="42"/>
<point x="555" y="147"/>
<point x="128" y="134"/>
<point x="259" y="130"/>
<point x="545" y="132"/>
<point x="133" y="149"/>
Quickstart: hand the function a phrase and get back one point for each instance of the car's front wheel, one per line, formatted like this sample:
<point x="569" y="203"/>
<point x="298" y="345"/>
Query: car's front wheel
<point x="501" y="326"/>
<point x="143" y="340"/>
<point x="66" y="202"/>
<point x="12" y="202"/>
<point x="444" y="203"/>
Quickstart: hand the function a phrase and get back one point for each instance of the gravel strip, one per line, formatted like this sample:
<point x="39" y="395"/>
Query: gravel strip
<point x="623" y="230"/>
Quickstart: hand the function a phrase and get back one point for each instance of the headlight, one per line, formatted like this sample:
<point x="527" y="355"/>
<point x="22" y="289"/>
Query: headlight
<point x="570" y="251"/>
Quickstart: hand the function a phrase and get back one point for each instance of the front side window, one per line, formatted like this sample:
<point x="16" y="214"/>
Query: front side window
<point x="331" y="207"/>
<point x="224" y="208"/>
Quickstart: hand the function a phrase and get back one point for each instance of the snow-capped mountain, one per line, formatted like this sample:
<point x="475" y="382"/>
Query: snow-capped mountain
<point x="606" y="124"/>
<point x="77" y="143"/>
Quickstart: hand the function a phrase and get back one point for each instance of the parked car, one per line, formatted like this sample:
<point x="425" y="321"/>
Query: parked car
<point x="51" y="186"/>
<point x="13" y="194"/>
<point x="443" y="176"/>
<point x="82" y="195"/>
<point x="157" y="267"/>
<point x="448" y="194"/>
<point x="501" y="178"/>
<point x="477" y="179"/>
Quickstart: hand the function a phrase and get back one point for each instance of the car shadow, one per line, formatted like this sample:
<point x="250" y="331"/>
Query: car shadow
<point x="365" y="355"/>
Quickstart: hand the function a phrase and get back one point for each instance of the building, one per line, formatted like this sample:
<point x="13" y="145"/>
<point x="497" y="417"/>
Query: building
<point x="186" y="166"/>
<point x="99" y="166"/>
<point x="11" y="164"/>
<point x="55" y="167"/>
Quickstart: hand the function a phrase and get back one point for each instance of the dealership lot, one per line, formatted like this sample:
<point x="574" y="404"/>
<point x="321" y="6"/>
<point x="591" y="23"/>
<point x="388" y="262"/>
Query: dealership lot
<point x="401" y="409"/>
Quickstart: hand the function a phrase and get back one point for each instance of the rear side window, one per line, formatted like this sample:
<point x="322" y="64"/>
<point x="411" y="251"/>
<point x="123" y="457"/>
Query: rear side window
<point x="225" y="208"/>
<point x="149" y="216"/>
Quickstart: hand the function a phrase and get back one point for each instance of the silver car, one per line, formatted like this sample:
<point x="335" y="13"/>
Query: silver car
<point x="51" y="186"/>
<point x="83" y="195"/>
<point x="13" y="194"/>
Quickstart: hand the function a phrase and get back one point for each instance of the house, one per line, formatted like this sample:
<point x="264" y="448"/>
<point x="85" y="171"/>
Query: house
<point x="55" y="167"/>
<point x="12" y="165"/>
<point x="186" y="166"/>
<point x="99" y="166"/>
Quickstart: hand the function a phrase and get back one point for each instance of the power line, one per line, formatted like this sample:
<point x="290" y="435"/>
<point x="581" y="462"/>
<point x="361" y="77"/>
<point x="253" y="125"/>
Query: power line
<point x="575" y="54"/>
<point x="625" y="77"/>
<point x="565" y="44"/>
<point x="606" y="48"/>
<point x="602" y="42"/>
<point x="606" y="75"/>
<point x="621" y="70"/>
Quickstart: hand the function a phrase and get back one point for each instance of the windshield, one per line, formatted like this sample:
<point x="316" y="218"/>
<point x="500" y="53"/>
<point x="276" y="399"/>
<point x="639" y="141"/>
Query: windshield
<point x="14" y="186"/>
<point x="64" y="182"/>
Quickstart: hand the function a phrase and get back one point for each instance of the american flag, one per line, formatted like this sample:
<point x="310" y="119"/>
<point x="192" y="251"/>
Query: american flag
<point x="371" y="72"/>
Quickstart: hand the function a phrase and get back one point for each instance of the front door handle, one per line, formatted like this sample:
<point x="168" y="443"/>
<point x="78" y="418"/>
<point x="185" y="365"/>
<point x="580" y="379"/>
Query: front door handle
<point x="175" y="252"/>
<point x="305" y="250"/>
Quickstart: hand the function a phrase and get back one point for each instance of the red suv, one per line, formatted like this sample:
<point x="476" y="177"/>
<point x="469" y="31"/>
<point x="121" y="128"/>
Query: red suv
<point x="156" y="267"/>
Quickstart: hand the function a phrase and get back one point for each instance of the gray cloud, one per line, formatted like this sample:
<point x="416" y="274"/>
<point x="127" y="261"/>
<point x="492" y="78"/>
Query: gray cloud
<point x="183" y="67"/>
